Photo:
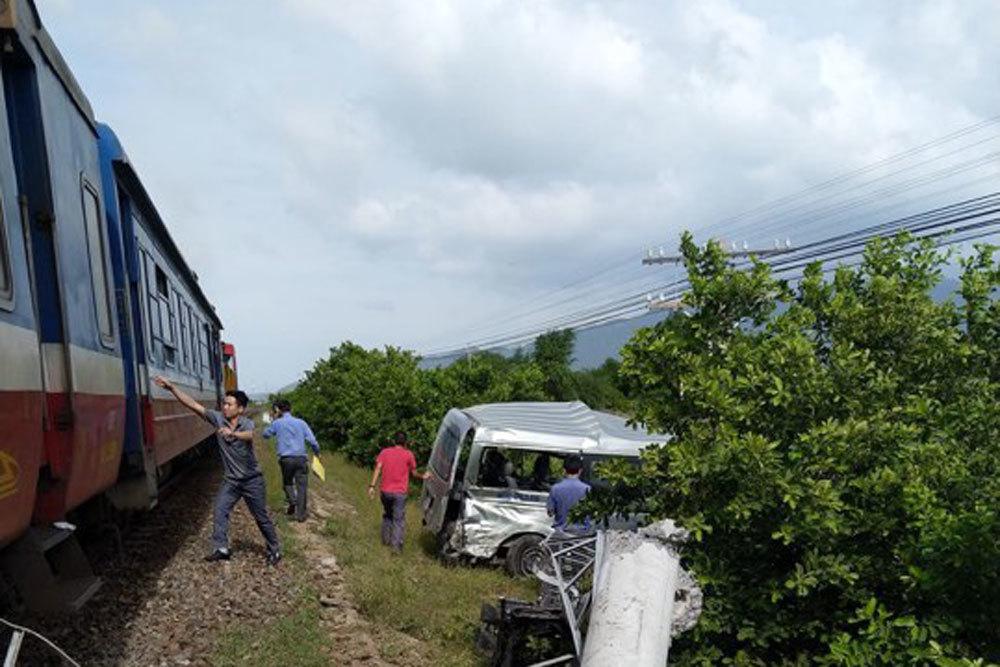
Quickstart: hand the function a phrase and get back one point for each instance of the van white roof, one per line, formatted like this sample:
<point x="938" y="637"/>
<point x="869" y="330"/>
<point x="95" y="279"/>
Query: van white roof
<point x="559" y="426"/>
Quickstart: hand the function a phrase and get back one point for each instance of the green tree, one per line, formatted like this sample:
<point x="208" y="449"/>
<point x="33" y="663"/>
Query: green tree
<point x="355" y="399"/>
<point x="836" y="458"/>
<point x="599" y="387"/>
<point x="554" y="354"/>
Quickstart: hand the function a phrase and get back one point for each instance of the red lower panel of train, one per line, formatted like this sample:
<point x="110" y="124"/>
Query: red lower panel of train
<point x="20" y="456"/>
<point x="83" y="459"/>
<point x="175" y="428"/>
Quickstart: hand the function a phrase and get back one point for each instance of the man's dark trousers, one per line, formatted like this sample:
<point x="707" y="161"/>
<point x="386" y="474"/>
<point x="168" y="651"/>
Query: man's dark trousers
<point x="254" y="494"/>
<point x="295" y="478"/>
<point x="393" y="519"/>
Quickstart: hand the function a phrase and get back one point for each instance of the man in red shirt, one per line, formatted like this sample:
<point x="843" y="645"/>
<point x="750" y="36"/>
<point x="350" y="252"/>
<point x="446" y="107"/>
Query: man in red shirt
<point x="395" y="464"/>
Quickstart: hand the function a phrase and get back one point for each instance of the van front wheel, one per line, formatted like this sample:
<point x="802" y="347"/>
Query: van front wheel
<point x="524" y="555"/>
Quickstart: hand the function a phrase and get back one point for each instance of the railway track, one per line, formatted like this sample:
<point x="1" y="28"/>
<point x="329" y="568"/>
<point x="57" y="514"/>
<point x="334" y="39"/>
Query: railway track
<point x="160" y="603"/>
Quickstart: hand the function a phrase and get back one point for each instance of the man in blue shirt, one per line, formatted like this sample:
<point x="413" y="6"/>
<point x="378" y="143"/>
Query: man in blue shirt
<point x="565" y="494"/>
<point x="292" y="434"/>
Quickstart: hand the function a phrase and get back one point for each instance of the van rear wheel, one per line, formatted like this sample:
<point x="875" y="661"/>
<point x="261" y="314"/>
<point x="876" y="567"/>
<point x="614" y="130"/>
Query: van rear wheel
<point x="525" y="555"/>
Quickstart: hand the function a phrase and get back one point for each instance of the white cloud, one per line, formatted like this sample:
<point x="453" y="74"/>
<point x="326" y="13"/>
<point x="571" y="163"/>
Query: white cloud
<point x="379" y="162"/>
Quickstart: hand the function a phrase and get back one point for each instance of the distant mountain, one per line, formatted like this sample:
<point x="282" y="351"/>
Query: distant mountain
<point x="593" y="346"/>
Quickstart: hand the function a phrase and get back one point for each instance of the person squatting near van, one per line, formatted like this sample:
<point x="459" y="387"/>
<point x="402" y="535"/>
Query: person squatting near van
<point x="242" y="476"/>
<point x="292" y="435"/>
<point x="395" y="464"/>
<point x="565" y="494"/>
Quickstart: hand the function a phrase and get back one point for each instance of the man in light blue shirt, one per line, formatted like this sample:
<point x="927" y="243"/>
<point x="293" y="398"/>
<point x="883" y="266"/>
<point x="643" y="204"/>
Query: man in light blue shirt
<point x="565" y="494"/>
<point x="292" y="435"/>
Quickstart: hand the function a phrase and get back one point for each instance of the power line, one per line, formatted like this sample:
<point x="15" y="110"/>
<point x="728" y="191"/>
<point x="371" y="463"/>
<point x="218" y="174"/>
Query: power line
<point x="546" y="302"/>
<point x="851" y="242"/>
<point x="808" y="252"/>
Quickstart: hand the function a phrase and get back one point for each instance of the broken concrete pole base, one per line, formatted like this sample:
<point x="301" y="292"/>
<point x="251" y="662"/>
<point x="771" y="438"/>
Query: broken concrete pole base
<point x="641" y="597"/>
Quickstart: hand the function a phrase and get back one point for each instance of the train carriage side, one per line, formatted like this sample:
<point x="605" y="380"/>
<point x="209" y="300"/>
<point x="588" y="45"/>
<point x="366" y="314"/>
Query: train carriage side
<point x="21" y="395"/>
<point x="94" y="298"/>
<point x="174" y="325"/>
<point x="63" y="415"/>
<point x="55" y="163"/>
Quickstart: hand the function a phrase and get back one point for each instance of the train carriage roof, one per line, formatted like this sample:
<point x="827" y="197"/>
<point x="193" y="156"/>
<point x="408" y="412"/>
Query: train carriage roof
<point x="22" y="16"/>
<point x="126" y="173"/>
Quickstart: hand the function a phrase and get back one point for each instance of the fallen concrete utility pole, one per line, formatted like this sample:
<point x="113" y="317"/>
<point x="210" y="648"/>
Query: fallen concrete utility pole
<point x="638" y="598"/>
<point x="641" y="597"/>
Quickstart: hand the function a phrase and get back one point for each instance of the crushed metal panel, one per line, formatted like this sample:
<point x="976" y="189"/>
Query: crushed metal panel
<point x="566" y="426"/>
<point x="491" y="518"/>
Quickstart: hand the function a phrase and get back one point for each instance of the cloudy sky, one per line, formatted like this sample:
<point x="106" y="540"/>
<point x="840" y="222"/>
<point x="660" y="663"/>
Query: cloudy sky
<point x="401" y="172"/>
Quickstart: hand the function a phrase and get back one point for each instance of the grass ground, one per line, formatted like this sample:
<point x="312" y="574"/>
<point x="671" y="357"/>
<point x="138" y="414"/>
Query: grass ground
<point x="411" y="595"/>
<point x="413" y="592"/>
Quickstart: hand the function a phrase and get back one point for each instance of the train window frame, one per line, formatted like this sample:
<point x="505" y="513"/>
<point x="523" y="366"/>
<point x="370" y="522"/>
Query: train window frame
<point x="193" y="333"/>
<point x="206" y="344"/>
<point x="152" y="307"/>
<point x="6" y="267"/>
<point x="147" y="325"/>
<point x="183" y="330"/>
<point x="165" y="331"/>
<point x="107" y="338"/>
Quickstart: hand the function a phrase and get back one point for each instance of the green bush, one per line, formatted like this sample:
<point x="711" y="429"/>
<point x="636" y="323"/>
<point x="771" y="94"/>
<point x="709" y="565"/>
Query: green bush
<point x="355" y="399"/>
<point x="837" y="458"/>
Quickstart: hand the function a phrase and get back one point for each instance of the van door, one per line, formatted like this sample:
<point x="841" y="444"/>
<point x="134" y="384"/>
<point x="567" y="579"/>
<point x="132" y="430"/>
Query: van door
<point x="443" y="464"/>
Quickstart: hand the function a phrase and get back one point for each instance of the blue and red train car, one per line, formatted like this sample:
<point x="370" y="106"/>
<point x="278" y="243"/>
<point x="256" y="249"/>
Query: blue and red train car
<point x="95" y="297"/>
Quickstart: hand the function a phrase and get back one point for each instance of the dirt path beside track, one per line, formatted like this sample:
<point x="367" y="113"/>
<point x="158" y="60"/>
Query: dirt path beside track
<point x="161" y="604"/>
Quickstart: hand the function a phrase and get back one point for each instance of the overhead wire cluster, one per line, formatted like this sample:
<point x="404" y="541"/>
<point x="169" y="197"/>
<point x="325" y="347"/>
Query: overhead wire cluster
<point x="922" y="176"/>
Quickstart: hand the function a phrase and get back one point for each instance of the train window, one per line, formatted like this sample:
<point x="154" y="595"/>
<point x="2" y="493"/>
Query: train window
<point x="6" y="277"/>
<point x="192" y="333"/>
<point x="173" y="305"/>
<point x="167" y="318"/>
<point x="206" y="354"/>
<point x="98" y="264"/>
<point x="144" y="299"/>
<point x="161" y="282"/>
<point x="164" y="304"/>
<point x="154" y="308"/>
<point x="182" y="312"/>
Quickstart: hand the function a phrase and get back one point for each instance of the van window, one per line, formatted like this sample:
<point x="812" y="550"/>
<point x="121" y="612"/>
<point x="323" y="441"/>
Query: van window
<point x="98" y="253"/>
<point x="6" y="274"/>
<point x="524" y="469"/>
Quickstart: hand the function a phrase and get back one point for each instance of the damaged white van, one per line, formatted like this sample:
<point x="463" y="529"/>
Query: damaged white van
<point x="492" y="467"/>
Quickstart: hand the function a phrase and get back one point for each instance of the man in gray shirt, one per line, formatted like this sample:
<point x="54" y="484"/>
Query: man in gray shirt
<point x="242" y="476"/>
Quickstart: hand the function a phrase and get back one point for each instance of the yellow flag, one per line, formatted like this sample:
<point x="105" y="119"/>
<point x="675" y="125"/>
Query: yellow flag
<point x="317" y="467"/>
